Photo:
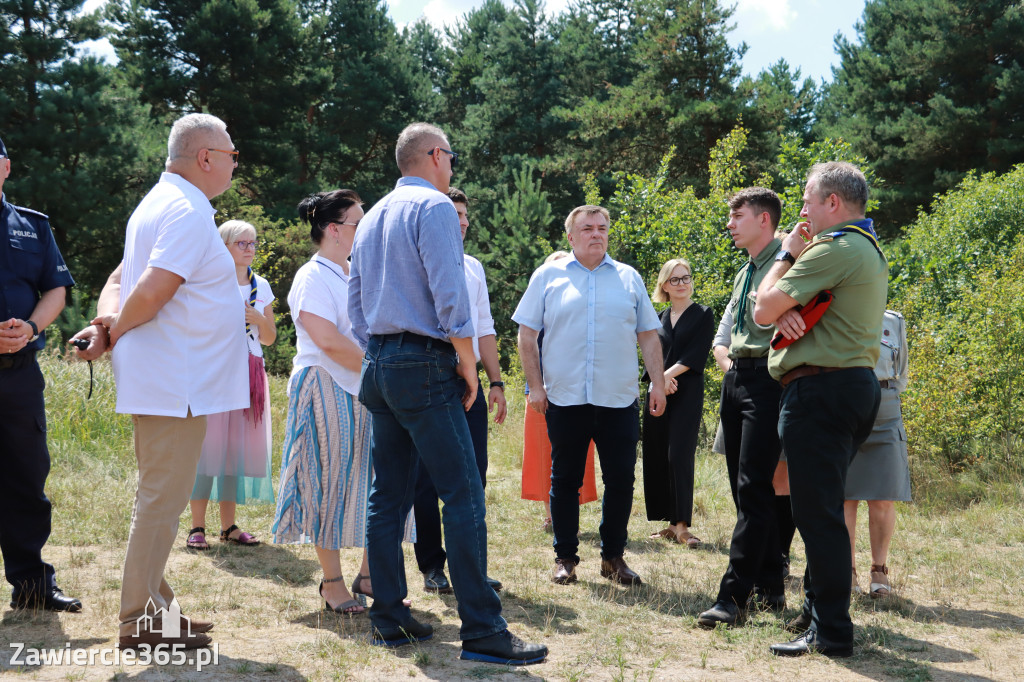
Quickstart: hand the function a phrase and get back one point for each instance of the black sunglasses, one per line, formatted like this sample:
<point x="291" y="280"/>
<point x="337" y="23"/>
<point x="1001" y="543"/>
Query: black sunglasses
<point x="455" y="157"/>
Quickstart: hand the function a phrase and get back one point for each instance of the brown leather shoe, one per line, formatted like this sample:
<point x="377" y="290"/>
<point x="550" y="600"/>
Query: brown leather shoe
<point x="565" y="572"/>
<point x="198" y="625"/>
<point x="190" y="634"/>
<point x="617" y="571"/>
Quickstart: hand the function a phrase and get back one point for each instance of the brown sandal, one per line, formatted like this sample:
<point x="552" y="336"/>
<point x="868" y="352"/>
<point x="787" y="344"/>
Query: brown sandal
<point x="880" y="587"/>
<point x="690" y="540"/>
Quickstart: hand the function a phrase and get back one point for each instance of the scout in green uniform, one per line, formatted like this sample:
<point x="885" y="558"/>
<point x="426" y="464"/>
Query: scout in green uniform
<point x="830" y="394"/>
<point x="749" y="413"/>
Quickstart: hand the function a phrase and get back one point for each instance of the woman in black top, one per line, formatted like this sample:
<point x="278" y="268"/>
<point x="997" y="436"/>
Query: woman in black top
<point x="670" y="441"/>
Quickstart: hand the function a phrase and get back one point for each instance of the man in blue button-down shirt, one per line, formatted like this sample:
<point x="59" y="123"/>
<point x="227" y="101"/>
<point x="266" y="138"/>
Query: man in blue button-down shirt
<point x="593" y="312"/>
<point x="410" y="312"/>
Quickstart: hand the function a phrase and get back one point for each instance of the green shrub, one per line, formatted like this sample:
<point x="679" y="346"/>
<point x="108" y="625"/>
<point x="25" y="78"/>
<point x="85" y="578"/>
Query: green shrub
<point x="966" y="230"/>
<point x="965" y="402"/>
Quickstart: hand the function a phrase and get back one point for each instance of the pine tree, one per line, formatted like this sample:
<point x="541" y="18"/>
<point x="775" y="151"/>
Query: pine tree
<point x="239" y="60"/>
<point x="931" y="90"/>
<point x="80" y="146"/>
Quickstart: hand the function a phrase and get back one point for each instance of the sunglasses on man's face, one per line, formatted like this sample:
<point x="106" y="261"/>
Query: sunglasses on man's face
<point x="455" y="157"/>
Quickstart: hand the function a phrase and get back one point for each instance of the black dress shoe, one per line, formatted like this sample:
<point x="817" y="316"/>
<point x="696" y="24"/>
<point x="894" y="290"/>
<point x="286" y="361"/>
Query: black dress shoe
<point x="810" y="642"/>
<point x="503" y="648"/>
<point x="495" y="584"/>
<point x="723" y="612"/>
<point x="436" y="581"/>
<point x="800" y="623"/>
<point x="412" y="631"/>
<point x="52" y="600"/>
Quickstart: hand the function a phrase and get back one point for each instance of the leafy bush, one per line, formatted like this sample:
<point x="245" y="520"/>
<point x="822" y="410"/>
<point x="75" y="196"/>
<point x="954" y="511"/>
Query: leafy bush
<point x="966" y="230"/>
<point x="966" y="397"/>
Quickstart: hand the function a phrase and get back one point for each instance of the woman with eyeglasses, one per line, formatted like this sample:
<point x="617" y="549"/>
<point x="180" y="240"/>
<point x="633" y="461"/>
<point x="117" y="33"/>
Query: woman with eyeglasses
<point x="670" y="441"/>
<point x="235" y="464"/>
<point x="325" y="468"/>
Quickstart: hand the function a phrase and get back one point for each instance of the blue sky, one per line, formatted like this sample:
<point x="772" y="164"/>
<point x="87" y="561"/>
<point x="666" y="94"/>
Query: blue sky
<point x="799" y="31"/>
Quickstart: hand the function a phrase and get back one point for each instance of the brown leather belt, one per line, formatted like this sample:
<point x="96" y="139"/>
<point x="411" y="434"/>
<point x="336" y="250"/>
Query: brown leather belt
<point x="805" y="371"/>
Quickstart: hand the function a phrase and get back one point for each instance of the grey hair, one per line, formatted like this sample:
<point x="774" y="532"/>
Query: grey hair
<point x="413" y="142"/>
<point x="189" y="133"/>
<point x="231" y="230"/>
<point x="586" y="210"/>
<point x="556" y="255"/>
<point x="842" y="179"/>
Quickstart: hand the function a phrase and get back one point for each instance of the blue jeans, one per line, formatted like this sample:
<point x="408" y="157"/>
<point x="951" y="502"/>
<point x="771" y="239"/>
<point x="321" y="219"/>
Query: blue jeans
<point x="430" y="554"/>
<point x="615" y="431"/>
<point x="410" y="386"/>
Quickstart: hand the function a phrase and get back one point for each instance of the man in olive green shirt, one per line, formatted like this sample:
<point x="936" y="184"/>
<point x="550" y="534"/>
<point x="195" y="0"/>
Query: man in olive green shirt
<point x="750" y="422"/>
<point x="830" y="394"/>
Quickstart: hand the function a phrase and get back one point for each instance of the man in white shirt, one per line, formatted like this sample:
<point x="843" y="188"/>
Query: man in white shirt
<point x="430" y="555"/>
<point x="170" y="313"/>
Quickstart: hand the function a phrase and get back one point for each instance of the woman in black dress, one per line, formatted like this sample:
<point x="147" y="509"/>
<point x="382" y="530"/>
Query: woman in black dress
<point x="670" y="441"/>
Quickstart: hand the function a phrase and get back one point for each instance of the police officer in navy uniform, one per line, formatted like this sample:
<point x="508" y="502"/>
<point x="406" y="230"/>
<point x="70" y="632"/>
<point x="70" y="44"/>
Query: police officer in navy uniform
<point x="33" y="280"/>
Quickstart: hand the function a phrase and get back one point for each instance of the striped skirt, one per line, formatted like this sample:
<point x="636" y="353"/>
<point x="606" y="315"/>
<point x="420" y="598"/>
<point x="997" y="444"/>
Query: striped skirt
<point x="326" y="469"/>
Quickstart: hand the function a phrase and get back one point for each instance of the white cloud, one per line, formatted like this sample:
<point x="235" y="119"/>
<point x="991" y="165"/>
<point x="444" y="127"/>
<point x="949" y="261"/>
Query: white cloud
<point x="758" y="16"/>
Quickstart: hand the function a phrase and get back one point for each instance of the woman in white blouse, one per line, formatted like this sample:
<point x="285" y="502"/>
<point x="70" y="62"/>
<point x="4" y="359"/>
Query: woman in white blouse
<point x="326" y="469"/>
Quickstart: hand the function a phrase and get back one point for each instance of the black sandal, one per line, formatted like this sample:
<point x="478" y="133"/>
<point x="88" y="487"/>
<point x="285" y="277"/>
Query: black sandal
<point x="244" y="539"/>
<point x="195" y="543"/>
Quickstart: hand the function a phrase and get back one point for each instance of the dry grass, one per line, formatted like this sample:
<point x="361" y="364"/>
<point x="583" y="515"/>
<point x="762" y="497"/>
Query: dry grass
<point x="960" y="614"/>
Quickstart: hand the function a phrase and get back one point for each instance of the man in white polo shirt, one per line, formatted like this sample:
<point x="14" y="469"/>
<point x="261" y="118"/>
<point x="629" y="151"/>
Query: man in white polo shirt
<point x="172" y="314"/>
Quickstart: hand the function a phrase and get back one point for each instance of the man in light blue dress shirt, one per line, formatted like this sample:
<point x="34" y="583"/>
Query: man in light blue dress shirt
<point x="410" y="312"/>
<point x="593" y="311"/>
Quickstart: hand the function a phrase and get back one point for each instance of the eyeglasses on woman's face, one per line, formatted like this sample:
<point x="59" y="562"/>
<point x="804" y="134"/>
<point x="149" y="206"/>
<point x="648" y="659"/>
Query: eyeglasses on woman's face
<point x="245" y="246"/>
<point x="676" y="281"/>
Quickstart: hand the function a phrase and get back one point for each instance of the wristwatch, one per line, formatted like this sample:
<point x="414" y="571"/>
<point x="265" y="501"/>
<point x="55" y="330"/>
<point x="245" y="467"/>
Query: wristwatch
<point x="35" y="330"/>
<point x="786" y="256"/>
<point x="498" y="384"/>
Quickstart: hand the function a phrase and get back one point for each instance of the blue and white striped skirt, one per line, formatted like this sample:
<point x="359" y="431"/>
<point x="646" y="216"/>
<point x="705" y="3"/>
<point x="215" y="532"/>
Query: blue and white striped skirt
<point x="326" y="470"/>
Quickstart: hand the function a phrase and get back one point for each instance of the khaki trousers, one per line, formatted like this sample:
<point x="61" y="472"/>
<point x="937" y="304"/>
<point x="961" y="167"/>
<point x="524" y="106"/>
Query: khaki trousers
<point x="167" y="451"/>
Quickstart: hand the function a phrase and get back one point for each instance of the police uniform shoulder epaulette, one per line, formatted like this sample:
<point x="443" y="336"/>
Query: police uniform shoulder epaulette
<point x="31" y="212"/>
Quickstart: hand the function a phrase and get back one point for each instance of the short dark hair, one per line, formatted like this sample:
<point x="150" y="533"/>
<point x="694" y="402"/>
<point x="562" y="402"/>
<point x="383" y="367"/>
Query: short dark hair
<point x="321" y="208"/>
<point x="842" y="179"/>
<point x="458" y="196"/>
<point x="760" y="200"/>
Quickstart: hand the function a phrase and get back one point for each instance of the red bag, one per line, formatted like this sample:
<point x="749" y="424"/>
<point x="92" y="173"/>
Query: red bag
<point x="811" y="313"/>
